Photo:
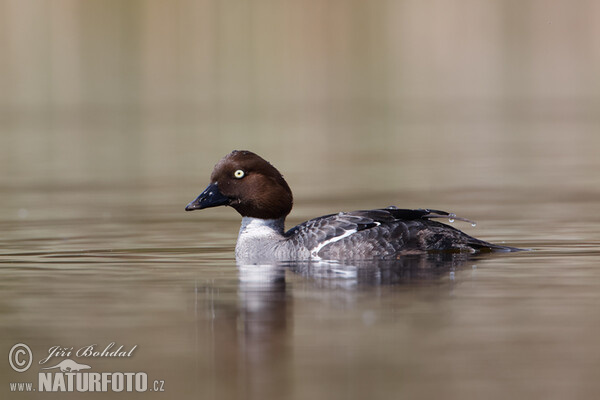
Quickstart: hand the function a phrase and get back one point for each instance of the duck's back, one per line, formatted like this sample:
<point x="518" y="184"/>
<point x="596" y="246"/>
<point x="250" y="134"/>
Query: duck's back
<point x="382" y="233"/>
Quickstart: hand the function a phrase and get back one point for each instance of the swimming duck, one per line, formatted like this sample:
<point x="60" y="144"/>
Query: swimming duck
<point x="257" y="191"/>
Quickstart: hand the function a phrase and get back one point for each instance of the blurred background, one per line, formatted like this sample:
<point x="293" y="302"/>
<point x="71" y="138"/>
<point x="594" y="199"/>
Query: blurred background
<point x="151" y="91"/>
<point x="113" y="113"/>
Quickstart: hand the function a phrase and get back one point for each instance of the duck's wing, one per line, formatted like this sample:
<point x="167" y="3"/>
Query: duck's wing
<point x="384" y="232"/>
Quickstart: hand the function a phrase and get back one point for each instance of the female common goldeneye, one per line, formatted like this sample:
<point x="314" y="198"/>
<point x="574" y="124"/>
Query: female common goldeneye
<point x="256" y="190"/>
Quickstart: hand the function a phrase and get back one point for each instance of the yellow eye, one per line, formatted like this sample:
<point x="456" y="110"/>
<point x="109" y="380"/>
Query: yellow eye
<point x="239" y="174"/>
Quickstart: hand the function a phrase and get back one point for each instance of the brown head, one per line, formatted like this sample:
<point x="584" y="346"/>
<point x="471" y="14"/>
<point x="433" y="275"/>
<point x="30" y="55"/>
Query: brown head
<point x="248" y="183"/>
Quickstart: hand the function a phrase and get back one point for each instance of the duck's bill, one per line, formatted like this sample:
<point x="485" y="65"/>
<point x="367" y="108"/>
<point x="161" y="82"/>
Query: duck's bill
<point x="211" y="197"/>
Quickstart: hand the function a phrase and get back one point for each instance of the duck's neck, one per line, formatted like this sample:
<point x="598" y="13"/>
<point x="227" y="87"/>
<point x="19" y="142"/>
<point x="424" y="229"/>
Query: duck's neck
<point x="261" y="227"/>
<point x="260" y="238"/>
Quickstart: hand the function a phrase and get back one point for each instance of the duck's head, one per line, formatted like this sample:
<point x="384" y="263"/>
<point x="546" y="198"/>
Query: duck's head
<point x="248" y="183"/>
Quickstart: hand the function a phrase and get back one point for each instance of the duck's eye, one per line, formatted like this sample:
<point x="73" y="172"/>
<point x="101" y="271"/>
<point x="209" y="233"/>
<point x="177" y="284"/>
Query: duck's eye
<point x="239" y="174"/>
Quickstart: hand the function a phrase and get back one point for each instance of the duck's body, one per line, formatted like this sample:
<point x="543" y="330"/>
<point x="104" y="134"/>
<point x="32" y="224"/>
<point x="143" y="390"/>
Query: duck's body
<point x="259" y="193"/>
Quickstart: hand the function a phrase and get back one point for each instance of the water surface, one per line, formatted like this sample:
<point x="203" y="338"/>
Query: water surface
<point x="113" y="113"/>
<point x="93" y="263"/>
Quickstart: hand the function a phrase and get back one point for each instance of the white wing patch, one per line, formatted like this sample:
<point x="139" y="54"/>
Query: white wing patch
<point x="315" y="251"/>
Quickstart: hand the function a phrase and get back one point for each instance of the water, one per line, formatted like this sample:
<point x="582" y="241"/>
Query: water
<point x="103" y="252"/>
<point x="113" y="113"/>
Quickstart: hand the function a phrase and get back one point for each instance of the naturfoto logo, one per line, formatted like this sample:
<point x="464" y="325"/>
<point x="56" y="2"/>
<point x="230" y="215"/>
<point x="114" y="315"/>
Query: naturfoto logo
<point x="66" y="375"/>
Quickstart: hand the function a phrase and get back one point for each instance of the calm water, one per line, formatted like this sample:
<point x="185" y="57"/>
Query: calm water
<point x="113" y="113"/>
<point x="96" y="248"/>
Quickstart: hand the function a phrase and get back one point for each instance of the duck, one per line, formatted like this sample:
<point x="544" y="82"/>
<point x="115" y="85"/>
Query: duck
<point x="258" y="192"/>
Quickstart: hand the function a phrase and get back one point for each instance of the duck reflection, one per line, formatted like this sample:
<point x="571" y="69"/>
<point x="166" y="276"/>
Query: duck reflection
<point x="263" y="330"/>
<point x="255" y="333"/>
<point x="418" y="268"/>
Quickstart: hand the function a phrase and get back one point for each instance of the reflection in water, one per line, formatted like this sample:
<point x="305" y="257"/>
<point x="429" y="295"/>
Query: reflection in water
<point x="263" y="321"/>
<point x="249" y="337"/>
<point x="263" y="334"/>
<point x="408" y="269"/>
